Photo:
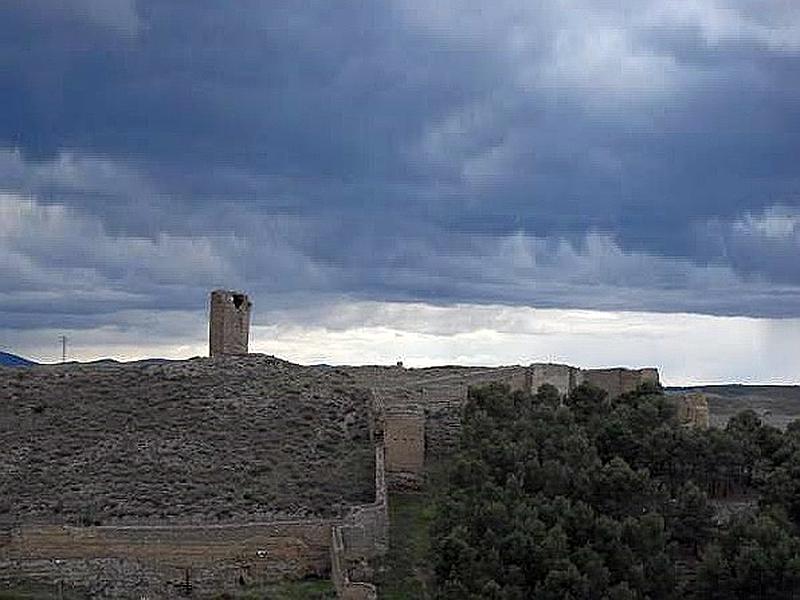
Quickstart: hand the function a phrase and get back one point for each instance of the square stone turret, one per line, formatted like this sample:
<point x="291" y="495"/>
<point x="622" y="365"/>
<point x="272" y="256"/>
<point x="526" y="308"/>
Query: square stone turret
<point x="229" y="323"/>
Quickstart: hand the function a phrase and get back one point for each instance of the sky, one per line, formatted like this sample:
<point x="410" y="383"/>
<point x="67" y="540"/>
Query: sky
<point x="585" y="181"/>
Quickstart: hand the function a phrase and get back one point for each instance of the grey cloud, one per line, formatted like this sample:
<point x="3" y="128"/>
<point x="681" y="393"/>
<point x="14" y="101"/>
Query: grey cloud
<point x="596" y="155"/>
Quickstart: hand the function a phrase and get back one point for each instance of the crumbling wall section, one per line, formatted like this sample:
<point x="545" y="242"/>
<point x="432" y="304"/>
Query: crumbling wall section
<point x="630" y="379"/>
<point x="516" y="378"/>
<point x="363" y="537"/>
<point x="560" y="376"/>
<point x="345" y="588"/>
<point x="443" y="414"/>
<point x="692" y="409"/>
<point x="443" y="401"/>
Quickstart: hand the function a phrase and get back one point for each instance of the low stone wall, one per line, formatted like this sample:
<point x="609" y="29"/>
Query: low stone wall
<point x="164" y="562"/>
<point x="158" y="561"/>
<point x="362" y="537"/>
<point x="345" y="588"/>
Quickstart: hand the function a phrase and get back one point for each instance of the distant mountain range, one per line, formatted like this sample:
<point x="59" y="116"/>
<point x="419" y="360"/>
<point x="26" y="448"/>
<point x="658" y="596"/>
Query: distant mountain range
<point x="12" y="360"/>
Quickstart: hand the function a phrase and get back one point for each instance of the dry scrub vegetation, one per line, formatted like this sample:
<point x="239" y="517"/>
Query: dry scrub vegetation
<point x="240" y="439"/>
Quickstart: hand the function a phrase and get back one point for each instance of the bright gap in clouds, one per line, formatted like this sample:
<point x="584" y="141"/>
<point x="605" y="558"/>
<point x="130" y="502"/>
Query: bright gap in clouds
<point x="687" y="348"/>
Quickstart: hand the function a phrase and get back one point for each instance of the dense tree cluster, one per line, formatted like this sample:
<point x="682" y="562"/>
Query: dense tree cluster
<point x="592" y="497"/>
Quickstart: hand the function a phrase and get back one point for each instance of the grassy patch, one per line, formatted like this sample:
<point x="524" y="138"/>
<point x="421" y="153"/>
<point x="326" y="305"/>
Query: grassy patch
<point x="406" y="569"/>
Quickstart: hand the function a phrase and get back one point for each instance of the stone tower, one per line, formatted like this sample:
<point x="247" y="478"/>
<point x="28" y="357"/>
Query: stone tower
<point x="229" y="323"/>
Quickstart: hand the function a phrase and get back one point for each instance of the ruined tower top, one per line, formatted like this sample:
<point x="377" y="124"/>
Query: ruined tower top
<point x="229" y="323"/>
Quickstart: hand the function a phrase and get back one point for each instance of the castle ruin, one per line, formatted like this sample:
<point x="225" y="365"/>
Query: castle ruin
<point x="692" y="409"/>
<point x="203" y="539"/>
<point x="229" y="323"/>
<point x="422" y="409"/>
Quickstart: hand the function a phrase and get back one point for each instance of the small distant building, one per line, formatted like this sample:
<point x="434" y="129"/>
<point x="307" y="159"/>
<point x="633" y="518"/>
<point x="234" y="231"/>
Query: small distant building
<point x="229" y="323"/>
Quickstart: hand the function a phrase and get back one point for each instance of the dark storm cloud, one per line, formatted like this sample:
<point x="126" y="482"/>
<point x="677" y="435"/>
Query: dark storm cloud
<point x="318" y="91"/>
<point x="595" y="154"/>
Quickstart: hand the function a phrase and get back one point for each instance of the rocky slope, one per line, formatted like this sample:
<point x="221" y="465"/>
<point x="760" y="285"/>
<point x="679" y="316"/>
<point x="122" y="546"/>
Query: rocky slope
<point x="246" y="438"/>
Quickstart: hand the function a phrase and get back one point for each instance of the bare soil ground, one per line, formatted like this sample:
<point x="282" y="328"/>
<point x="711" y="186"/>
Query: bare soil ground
<point x="239" y="439"/>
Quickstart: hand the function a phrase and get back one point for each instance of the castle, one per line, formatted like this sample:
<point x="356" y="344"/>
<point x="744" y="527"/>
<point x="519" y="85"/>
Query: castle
<point x="420" y="413"/>
<point x="183" y="416"/>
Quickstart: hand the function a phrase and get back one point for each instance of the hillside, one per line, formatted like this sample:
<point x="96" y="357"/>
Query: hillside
<point x="248" y="438"/>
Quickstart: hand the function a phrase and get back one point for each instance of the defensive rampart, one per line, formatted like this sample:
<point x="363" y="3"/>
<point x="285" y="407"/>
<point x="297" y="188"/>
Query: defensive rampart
<point x="616" y="381"/>
<point x="423" y="419"/>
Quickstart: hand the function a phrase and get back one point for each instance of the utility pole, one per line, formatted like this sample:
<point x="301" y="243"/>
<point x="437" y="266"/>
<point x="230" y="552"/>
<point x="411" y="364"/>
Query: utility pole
<point x="63" y="339"/>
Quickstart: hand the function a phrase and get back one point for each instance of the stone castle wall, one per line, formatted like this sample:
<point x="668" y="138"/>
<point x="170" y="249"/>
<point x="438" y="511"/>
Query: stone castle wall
<point x="442" y="426"/>
<point x="410" y="439"/>
<point x="404" y="438"/>
<point x="162" y="561"/>
<point x="560" y="376"/>
<point x="616" y="381"/>
<point x="516" y="378"/>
